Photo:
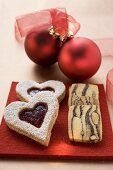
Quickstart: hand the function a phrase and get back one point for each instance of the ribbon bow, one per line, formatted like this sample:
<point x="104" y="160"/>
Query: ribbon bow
<point x="63" y="24"/>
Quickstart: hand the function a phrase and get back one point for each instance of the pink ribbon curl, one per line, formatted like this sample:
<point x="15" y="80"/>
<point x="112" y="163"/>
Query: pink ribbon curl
<point x="106" y="47"/>
<point x="109" y="86"/>
<point x="44" y="19"/>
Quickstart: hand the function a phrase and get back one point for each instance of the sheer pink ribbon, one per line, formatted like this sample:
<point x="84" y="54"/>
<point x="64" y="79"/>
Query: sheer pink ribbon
<point x="106" y="47"/>
<point x="44" y="19"/>
<point x="108" y="51"/>
<point x="109" y="86"/>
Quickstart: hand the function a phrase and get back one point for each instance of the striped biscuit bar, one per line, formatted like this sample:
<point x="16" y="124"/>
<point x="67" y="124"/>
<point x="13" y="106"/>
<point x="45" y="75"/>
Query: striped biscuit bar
<point x="83" y="94"/>
<point x="84" y="123"/>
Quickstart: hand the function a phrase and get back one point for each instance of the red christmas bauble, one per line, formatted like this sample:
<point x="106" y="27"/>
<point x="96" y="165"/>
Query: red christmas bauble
<point x="42" y="48"/>
<point x="79" y="59"/>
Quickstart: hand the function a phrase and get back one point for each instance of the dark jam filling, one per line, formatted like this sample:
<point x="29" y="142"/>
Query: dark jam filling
<point x="33" y="91"/>
<point x="36" y="115"/>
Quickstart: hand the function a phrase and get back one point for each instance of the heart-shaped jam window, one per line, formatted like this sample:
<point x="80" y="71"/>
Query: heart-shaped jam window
<point x="36" y="115"/>
<point x="33" y="91"/>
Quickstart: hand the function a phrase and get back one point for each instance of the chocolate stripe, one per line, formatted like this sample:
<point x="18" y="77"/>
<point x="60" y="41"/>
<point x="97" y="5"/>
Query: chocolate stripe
<point x="85" y="90"/>
<point x="73" y="92"/>
<point x="81" y="111"/>
<point x="98" y="126"/>
<point x="87" y="120"/>
<point x="74" y="89"/>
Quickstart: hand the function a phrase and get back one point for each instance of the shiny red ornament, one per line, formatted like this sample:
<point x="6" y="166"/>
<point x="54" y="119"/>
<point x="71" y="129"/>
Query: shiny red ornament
<point x="79" y="59"/>
<point x="44" y="31"/>
<point x="42" y="48"/>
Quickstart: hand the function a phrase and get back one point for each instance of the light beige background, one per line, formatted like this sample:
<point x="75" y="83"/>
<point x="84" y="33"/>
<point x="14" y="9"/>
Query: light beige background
<point x="96" y="18"/>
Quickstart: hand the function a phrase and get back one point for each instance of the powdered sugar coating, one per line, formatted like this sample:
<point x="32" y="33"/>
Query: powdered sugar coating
<point x="23" y="87"/>
<point x="42" y="134"/>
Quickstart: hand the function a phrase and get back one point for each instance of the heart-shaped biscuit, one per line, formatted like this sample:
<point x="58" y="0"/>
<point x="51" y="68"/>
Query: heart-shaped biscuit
<point x="34" y="119"/>
<point x="27" y="89"/>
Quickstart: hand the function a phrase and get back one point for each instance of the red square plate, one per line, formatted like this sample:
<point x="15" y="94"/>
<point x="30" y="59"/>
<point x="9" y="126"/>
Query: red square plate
<point x="19" y="146"/>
